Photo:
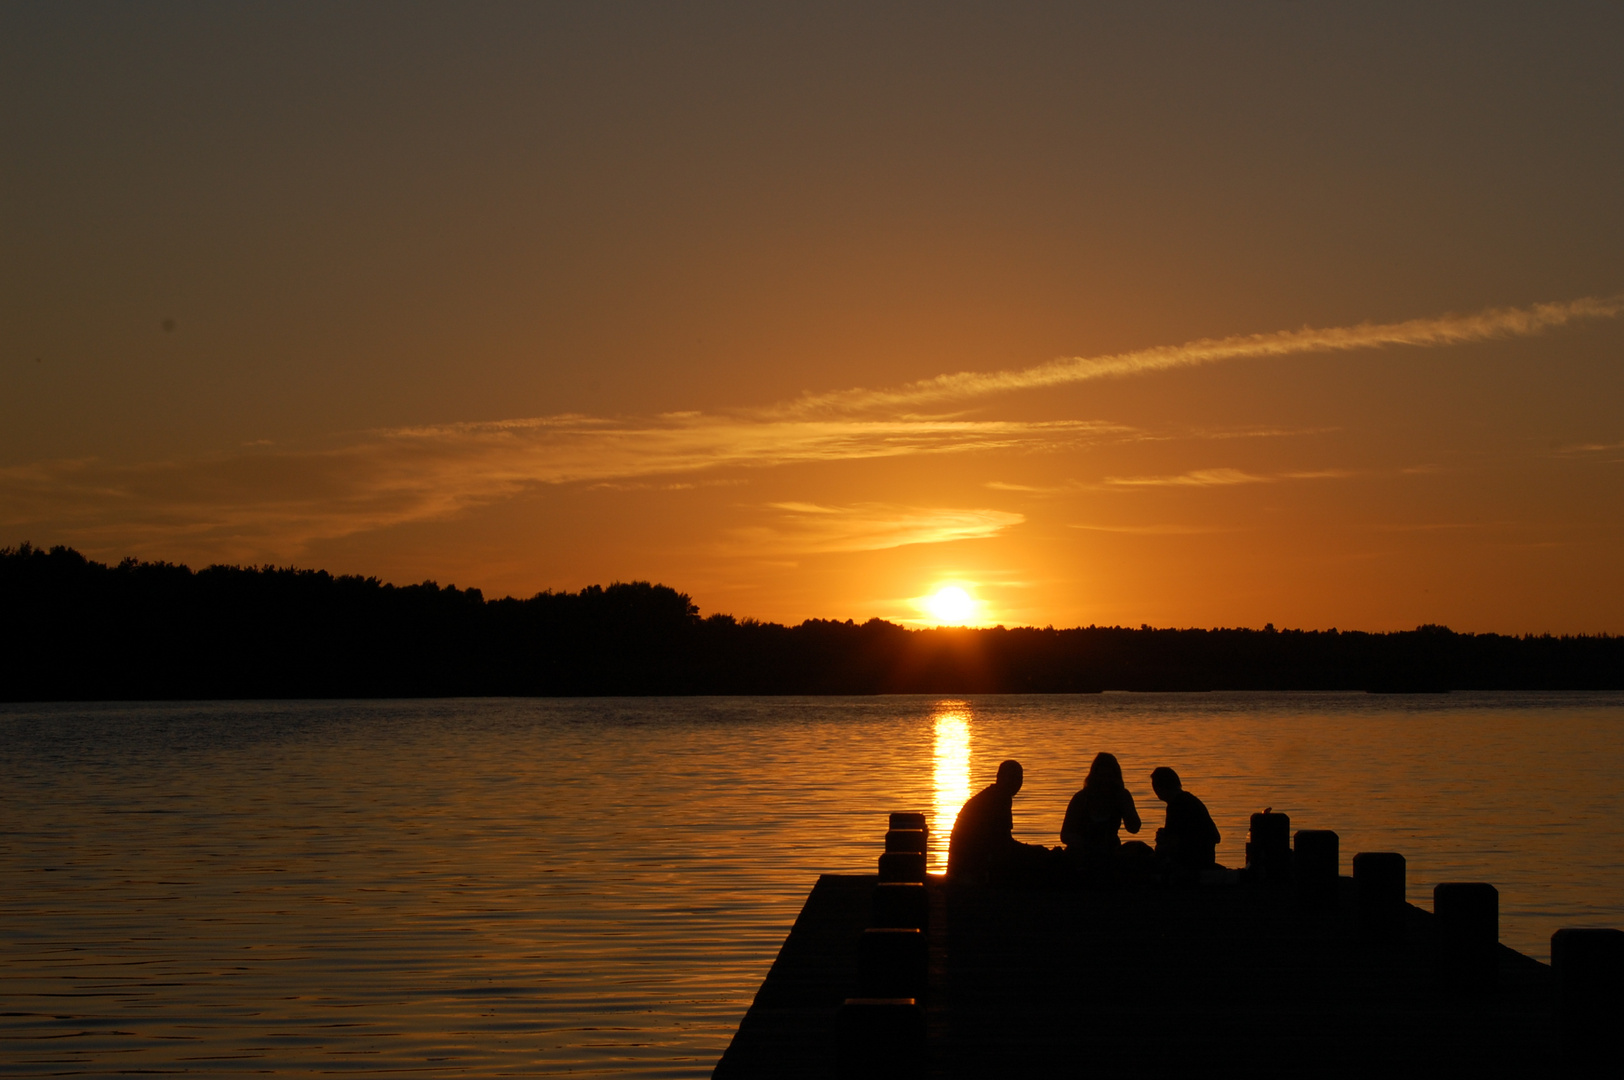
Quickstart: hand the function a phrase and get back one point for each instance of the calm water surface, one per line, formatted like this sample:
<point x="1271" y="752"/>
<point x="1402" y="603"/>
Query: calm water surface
<point x="597" y="887"/>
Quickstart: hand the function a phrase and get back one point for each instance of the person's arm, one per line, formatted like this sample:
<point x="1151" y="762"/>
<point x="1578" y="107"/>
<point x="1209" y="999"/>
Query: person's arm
<point x="1130" y="812"/>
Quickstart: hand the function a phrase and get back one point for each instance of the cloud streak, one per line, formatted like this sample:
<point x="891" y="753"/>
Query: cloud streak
<point x="1161" y="530"/>
<point x="265" y="500"/>
<point x="1441" y="330"/>
<point x="809" y="528"/>
<point x="1222" y="478"/>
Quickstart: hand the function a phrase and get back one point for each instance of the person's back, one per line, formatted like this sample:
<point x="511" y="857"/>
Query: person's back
<point x="983" y="829"/>
<point x="983" y="845"/>
<point x="1189" y="821"/>
<point x="1189" y="839"/>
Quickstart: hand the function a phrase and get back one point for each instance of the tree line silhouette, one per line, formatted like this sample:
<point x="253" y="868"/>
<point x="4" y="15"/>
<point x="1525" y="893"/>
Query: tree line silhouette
<point x="75" y="629"/>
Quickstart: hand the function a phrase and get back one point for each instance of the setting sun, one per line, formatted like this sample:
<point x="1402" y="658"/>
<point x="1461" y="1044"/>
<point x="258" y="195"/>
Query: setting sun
<point x="951" y="606"/>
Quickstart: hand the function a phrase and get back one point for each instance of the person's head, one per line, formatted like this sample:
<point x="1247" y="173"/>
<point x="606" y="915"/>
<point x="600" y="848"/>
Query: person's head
<point x="1165" y="783"/>
<point x="1010" y="775"/>
<point x="1105" y="774"/>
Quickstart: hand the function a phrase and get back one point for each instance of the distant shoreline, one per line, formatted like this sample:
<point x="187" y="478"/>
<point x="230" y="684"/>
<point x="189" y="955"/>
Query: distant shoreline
<point x="79" y="630"/>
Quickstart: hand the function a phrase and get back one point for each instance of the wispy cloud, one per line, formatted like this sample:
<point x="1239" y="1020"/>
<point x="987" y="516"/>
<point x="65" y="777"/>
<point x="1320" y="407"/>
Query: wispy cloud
<point x="1223" y="478"/>
<point x="1441" y="526"/>
<point x="1198" y="478"/>
<point x="268" y="501"/>
<point x="1590" y="448"/>
<point x="1249" y="433"/>
<point x="567" y="449"/>
<point x="808" y="528"/>
<point x="1160" y="530"/>
<point x="1428" y="332"/>
<point x="1034" y="489"/>
<point x="248" y="504"/>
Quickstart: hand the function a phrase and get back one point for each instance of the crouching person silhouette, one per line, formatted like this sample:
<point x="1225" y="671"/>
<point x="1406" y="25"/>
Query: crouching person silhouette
<point x="983" y="847"/>
<point x="1187" y="844"/>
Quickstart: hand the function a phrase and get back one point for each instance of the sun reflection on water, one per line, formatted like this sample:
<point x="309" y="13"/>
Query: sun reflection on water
<point x="951" y="779"/>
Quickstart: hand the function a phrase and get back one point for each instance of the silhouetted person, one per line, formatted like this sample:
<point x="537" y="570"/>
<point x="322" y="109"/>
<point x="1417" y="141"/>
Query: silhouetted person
<point x="1188" y="843"/>
<point x="1095" y="813"/>
<point x="983" y="846"/>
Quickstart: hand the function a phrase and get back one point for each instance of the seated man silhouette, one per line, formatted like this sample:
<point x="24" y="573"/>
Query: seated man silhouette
<point x="983" y="847"/>
<point x="1188" y="843"/>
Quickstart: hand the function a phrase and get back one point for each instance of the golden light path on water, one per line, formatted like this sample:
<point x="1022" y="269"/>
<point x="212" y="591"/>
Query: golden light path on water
<point x="950" y="776"/>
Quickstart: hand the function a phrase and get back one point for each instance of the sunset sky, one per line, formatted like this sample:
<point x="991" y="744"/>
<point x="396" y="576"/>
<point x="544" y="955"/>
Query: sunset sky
<point x="1180" y="314"/>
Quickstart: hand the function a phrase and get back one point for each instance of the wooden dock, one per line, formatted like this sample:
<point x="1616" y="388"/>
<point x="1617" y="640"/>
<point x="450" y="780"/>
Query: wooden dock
<point x="1154" y="982"/>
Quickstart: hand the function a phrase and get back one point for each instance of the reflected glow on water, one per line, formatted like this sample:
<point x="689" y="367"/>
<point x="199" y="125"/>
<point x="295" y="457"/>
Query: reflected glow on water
<point x="950" y="777"/>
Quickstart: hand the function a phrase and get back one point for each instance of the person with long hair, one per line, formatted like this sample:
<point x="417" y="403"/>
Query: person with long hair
<point x="1098" y="811"/>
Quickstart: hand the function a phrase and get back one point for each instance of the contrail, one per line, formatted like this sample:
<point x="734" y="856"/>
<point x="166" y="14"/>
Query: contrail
<point x="1437" y="330"/>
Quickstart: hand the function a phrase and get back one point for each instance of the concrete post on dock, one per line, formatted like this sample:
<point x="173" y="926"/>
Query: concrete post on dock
<point x="1316" y="864"/>
<point x="1379" y="882"/>
<point x="905" y="840"/>
<point x="901" y="904"/>
<point x="892" y="962"/>
<point x="1467" y="934"/>
<point x="1268" y="848"/>
<point x="882" y="1031"/>
<point x="905" y="843"/>
<point x="1589" y="967"/>
<point x="902" y="866"/>
<point x="882" y="1038"/>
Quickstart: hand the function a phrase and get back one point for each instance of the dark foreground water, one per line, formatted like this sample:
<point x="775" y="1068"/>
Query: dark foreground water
<point x="597" y="887"/>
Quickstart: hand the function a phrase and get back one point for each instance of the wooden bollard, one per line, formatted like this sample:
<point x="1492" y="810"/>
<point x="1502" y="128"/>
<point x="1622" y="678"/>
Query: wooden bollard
<point x="1589" y="968"/>
<point x="902" y="866"/>
<point x="1378" y="880"/>
<point x="901" y="904"/>
<point x="882" y="1037"/>
<point x="1467" y="933"/>
<point x="908" y="821"/>
<point x="1268" y="847"/>
<point x="905" y="840"/>
<point x="1316" y="862"/>
<point x="892" y="962"/>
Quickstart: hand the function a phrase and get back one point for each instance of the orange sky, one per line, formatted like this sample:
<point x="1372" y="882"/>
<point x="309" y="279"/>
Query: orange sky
<point x="1172" y="315"/>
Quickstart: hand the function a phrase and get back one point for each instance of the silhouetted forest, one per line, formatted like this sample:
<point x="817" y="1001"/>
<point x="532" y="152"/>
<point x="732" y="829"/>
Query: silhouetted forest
<point x="75" y="629"/>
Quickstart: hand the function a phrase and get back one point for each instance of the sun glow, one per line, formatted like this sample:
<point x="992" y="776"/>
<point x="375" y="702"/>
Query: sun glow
<point x="951" y="605"/>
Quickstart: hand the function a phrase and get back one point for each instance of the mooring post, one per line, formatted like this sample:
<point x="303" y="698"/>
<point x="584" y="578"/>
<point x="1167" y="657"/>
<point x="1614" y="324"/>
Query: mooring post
<point x="892" y="962"/>
<point x="1467" y="933"/>
<point x="882" y="1037"/>
<point x="1316" y="862"/>
<point x="901" y="904"/>
<point x="905" y="840"/>
<point x="1378" y="879"/>
<point x="1268" y="847"/>
<point x="1589" y="968"/>
<point x="902" y="866"/>
<point x="882" y="1031"/>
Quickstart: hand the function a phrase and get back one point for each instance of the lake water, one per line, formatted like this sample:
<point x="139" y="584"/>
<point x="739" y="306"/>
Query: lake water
<point x="597" y="887"/>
